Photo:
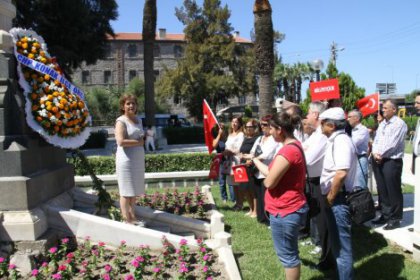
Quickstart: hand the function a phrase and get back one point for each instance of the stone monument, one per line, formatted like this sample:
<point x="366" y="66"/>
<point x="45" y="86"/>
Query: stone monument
<point x="31" y="170"/>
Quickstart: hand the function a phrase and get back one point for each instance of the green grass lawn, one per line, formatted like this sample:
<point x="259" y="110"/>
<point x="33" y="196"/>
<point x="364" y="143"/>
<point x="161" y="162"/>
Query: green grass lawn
<point x="254" y="252"/>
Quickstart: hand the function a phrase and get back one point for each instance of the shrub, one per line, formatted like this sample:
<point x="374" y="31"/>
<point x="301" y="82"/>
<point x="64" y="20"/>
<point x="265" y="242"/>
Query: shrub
<point x="96" y="140"/>
<point x="184" y="135"/>
<point x="153" y="163"/>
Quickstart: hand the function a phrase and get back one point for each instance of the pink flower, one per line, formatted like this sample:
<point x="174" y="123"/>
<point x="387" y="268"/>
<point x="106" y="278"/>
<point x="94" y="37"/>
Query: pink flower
<point x="53" y="250"/>
<point x="177" y="251"/>
<point x="206" y="257"/>
<point x="12" y="266"/>
<point x="85" y="263"/>
<point x="203" y="249"/>
<point x="44" y="264"/>
<point x="135" y="263"/>
<point x="183" y="242"/>
<point x="62" y="267"/>
<point x="65" y="240"/>
<point x="183" y="268"/>
<point x="101" y="244"/>
<point x="129" y="277"/>
<point x="70" y="255"/>
<point x="34" y="272"/>
<point x="123" y="242"/>
<point x="156" y="269"/>
<point x="87" y="238"/>
<point x="140" y="259"/>
<point x="199" y="241"/>
<point x="209" y="278"/>
<point x="56" y="276"/>
<point x="205" y="268"/>
<point x="106" y="277"/>
<point x="1" y="259"/>
<point x="108" y="268"/>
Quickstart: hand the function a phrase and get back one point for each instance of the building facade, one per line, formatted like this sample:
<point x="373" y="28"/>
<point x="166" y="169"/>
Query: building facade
<point x="124" y="62"/>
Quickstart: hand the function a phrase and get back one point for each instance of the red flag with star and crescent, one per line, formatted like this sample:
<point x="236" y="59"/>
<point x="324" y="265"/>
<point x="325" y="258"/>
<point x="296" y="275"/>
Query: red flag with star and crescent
<point x="239" y="173"/>
<point x="209" y="121"/>
<point x="369" y="105"/>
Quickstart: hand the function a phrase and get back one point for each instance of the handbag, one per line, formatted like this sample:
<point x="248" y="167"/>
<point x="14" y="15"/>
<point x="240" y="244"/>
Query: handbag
<point x="313" y="203"/>
<point x="360" y="201"/>
<point x="226" y="166"/>
<point x="361" y="205"/>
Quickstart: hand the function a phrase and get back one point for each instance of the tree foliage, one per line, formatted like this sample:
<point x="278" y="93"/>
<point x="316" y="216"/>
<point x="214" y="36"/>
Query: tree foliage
<point x="289" y="79"/>
<point x="214" y="67"/>
<point x="104" y="103"/>
<point x="349" y="91"/>
<point x="75" y="30"/>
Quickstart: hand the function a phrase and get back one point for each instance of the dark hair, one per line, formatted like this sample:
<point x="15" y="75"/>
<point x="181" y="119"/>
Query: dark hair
<point x="239" y="118"/>
<point x="296" y="110"/>
<point x="266" y="118"/>
<point x="339" y="124"/>
<point x="285" y="122"/>
<point x="126" y="97"/>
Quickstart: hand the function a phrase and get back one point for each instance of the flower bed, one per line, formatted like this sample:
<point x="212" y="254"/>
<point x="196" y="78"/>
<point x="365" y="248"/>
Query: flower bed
<point x="98" y="261"/>
<point x="191" y="204"/>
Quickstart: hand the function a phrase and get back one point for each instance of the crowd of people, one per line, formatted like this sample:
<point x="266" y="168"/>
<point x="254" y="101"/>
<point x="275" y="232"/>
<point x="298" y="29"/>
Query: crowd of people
<point x="301" y="168"/>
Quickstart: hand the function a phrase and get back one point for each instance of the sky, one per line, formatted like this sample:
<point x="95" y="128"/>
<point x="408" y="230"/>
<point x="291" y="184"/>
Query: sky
<point x="380" y="39"/>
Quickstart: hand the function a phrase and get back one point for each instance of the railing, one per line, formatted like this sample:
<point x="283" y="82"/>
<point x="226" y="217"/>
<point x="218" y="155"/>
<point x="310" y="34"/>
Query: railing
<point x="159" y="179"/>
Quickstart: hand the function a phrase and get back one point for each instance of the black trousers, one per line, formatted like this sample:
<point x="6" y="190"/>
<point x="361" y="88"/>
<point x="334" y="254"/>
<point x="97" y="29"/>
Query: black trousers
<point x="326" y="259"/>
<point x="259" y="195"/>
<point x="388" y="180"/>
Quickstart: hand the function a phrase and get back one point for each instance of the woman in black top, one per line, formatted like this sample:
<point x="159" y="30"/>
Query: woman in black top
<point x="246" y="190"/>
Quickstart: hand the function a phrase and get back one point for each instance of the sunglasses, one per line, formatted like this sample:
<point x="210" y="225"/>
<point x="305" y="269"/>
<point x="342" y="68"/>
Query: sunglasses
<point x="264" y="124"/>
<point x="250" y="126"/>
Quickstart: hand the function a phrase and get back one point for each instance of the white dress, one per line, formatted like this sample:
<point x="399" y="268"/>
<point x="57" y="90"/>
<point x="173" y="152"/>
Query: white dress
<point x="129" y="163"/>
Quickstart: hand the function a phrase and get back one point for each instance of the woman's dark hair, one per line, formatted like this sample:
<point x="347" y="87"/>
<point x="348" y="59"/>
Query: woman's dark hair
<point x="240" y="121"/>
<point x="126" y="97"/>
<point x="266" y="118"/>
<point x="285" y="122"/>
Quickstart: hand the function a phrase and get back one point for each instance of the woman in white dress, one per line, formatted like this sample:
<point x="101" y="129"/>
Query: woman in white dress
<point x="129" y="135"/>
<point x="231" y="153"/>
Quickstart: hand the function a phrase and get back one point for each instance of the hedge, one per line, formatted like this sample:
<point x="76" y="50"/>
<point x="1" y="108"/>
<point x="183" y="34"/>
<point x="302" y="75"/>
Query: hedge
<point x="153" y="163"/>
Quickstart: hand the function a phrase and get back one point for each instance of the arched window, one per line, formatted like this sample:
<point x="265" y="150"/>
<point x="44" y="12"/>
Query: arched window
<point x="132" y="50"/>
<point x="178" y="51"/>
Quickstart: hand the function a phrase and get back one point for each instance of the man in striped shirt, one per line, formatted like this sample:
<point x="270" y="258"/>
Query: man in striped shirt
<point x="388" y="153"/>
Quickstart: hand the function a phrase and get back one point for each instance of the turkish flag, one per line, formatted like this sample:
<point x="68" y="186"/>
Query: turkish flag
<point x="324" y="90"/>
<point x="369" y="105"/>
<point x="209" y="121"/>
<point x="239" y="173"/>
<point x="215" y="166"/>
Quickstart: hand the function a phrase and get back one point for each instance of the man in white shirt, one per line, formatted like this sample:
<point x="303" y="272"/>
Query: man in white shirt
<point x="314" y="148"/>
<point x="360" y="138"/>
<point x="337" y="179"/>
<point x="388" y="153"/>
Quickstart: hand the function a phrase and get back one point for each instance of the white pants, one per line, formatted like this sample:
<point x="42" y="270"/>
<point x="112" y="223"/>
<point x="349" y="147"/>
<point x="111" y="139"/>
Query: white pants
<point x="151" y="142"/>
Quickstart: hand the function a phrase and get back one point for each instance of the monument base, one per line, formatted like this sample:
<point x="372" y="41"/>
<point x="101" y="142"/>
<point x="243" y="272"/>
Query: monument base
<point x="22" y="225"/>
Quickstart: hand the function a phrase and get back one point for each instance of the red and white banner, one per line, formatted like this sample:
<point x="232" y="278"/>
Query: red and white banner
<point x="215" y="166"/>
<point x="324" y="90"/>
<point x="209" y="121"/>
<point x="369" y="105"/>
<point x="239" y="173"/>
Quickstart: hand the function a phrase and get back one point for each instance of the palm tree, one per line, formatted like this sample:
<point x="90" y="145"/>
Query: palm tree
<point x="264" y="54"/>
<point x="149" y="36"/>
